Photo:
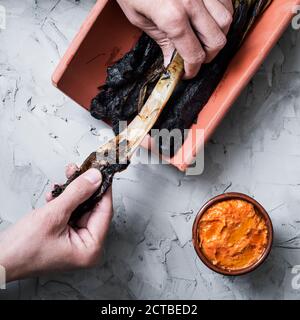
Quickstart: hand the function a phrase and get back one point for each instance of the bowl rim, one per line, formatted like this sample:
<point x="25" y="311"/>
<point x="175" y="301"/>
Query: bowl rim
<point x="260" y="209"/>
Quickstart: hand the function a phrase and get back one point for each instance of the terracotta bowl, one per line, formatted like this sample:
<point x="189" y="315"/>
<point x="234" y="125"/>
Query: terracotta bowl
<point x="259" y="209"/>
<point x="106" y="36"/>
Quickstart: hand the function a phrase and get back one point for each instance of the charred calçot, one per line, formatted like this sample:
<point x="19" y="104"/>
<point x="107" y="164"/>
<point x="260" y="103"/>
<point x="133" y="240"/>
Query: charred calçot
<point x="131" y="80"/>
<point x="115" y="154"/>
<point x="107" y="170"/>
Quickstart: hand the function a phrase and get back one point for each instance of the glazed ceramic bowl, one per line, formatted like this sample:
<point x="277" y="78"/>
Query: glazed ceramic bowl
<point x="106" y="36"/>
<point x="259" y="209"/>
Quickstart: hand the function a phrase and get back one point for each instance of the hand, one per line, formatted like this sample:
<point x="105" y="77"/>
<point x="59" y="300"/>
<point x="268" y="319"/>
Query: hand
<point x="43" y="240"/>
<point x="196" y="28"/>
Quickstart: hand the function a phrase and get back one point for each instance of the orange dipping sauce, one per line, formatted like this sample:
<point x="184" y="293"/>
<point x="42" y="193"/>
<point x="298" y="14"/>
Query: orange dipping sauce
<point x="232" y="234"/>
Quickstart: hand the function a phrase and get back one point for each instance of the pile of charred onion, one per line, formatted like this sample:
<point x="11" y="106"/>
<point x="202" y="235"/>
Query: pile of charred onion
<point x="140" y="90"/>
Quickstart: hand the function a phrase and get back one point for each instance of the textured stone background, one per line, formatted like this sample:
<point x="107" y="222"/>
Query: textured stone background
<point x="148" y="253"/>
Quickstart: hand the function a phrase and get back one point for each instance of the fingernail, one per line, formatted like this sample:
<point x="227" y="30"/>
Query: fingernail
<point x="93" y="176"/>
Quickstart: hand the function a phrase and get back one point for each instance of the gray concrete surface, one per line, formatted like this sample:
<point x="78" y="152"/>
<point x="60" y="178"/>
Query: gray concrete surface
<point x="148" y="253"/>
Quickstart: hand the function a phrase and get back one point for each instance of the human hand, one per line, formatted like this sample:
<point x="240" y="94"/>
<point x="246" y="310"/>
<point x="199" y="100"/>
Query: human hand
<point x="43" y="240"/>
<point x="196" y="28"/>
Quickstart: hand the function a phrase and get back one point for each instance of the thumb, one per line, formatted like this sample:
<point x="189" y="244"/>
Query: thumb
<point x="77" y="192"/>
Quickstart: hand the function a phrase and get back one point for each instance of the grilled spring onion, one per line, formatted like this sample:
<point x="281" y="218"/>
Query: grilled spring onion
<point x="114" y="156"/>
<point x="130" y="83"/>
<point x="131" y="80"/>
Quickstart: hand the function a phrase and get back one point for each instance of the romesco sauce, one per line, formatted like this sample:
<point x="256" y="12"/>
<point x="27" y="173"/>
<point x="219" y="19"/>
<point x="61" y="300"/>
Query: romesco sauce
<point x="232" y="234"/>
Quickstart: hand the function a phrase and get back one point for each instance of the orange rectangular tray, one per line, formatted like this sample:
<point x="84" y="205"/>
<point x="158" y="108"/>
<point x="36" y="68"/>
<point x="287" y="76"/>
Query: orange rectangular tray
<point x="106" y="36"/>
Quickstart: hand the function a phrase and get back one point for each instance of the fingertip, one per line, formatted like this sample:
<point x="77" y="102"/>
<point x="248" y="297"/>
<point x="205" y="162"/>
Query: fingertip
<point x="210" y="58"/>
<point x="71" y="168"/>
<point x="49" y="196"/>
<point x="191" y="70"/>
<point x="168" y="51"/>
<point x="167" y="60"/>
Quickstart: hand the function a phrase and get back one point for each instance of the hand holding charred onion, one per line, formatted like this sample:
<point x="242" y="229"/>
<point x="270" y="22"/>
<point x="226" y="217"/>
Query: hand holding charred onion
<point x="197" y="29"/>
<point x="114" y="156"/>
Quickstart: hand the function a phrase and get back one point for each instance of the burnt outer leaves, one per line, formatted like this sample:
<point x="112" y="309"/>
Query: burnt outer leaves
<point x="131" y="80"/>
<point x="107" y="170"/>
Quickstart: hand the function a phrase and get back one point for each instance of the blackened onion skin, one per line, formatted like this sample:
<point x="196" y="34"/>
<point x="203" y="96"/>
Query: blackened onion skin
<point x="107" y="170"/>
<point x="131" y="79"/>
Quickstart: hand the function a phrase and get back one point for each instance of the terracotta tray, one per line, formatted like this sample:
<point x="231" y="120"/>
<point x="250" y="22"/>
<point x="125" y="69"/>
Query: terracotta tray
<point x="106" y="36"/>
